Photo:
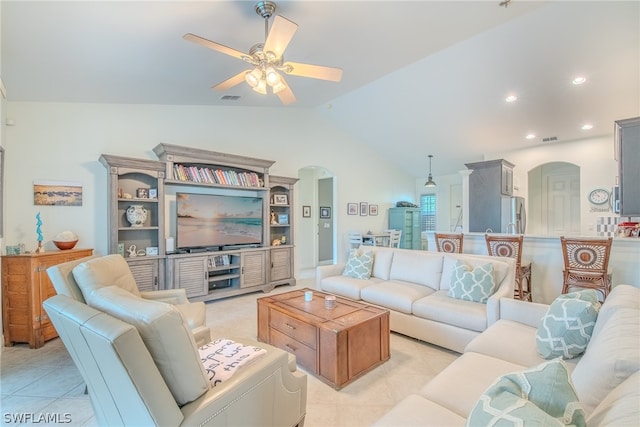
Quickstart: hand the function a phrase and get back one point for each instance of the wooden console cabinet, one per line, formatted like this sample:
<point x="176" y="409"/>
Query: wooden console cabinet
<point x="25" y="285"/>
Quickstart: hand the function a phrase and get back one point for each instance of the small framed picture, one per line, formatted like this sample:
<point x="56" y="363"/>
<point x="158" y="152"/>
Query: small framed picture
<point x="142" y="193"/>
<point x="364" y="208"/>
<point x="352" y="209"/>
<point x="373" y="210"/>
<point x="121" y="248"/>
<point x="151" y="250"/>
<point x="306" y="212"/>
<point x="153" y="193"/>
<point x="280" y="199"/>
<point x="325" y="212"/>
<point x="283" y="219"/>
<point x="14" y="249"/>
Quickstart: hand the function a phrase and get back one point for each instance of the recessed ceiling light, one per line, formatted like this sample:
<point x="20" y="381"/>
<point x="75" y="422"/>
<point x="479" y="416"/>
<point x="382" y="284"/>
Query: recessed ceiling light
<point x="530" y="136"/>
<point x="586" y="126"/>
<point x="579" y="80"/>
<point x="511" y="98"/>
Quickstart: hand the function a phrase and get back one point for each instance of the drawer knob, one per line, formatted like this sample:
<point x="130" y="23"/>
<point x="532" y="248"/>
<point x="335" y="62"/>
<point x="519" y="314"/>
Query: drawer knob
<point x="289" y="326"/>
<point x="293" y="349"/>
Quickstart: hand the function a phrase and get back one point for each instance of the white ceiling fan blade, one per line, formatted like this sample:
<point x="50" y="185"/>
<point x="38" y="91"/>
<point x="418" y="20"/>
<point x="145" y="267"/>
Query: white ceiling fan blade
<point x="280" y="35"/>
<point x="215" y="46"/>
<point x="313" y="71"/>
<point x="229" y="83"/>
<point x="286" y="95"/>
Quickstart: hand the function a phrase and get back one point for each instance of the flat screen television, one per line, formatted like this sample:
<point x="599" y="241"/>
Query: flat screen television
<point x="214" y="221"/>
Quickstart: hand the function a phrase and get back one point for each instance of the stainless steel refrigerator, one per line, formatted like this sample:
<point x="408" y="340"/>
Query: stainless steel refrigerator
<point x="514" y="215"/>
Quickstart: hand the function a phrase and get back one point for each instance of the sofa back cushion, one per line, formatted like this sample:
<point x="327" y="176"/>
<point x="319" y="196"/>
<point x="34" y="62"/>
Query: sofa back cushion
<point x="611" y="357"/>
<point x="166" y="335"/>
<point x="620" y="407"/>
<point x="423" y="268"/>
<point x="109" y="270"/>
<point x="382" y="258"/>
<point x="500" y="267"/>
<point x="621" y="296"/>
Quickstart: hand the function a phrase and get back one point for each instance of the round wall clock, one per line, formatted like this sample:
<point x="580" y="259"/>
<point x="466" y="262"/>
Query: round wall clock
<point x="599" y="196"/>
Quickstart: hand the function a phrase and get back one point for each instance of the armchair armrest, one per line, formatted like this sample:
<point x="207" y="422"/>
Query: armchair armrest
<point x="170" y="296"/>
<point x="528" y="313"/>
<point x="328" y="271"/>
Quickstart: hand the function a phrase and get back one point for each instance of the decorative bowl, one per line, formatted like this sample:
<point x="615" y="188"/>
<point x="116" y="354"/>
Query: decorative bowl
<point x="65" y="245"/>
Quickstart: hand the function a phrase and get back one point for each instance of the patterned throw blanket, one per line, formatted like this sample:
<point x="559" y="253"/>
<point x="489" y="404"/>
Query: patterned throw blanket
<point x="223" y="357"/>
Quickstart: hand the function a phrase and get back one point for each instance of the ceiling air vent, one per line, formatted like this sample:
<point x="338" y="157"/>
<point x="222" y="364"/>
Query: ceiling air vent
<point x="550" y="139"/>
<point x="230" y="97"/>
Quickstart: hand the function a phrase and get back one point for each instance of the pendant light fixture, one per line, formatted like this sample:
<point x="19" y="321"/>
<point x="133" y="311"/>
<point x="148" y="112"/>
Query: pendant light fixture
<point x="430" y="182"/>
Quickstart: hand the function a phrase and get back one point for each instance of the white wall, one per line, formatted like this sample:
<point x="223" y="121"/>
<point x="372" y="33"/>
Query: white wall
<point x="63" y="141"/>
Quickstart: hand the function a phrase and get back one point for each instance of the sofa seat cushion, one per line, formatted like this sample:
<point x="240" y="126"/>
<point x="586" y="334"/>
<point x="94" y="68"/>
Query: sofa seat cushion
<point x="620" y="407"/>
<point x="542" y="395"/>
<point x="511" y="341"/>
<point x="612" y="356"/>
<point x="439" y="307"/>
<point x="459" y="386"/>
<point x="421" y="267"/>
<point x="166" y="336"/>
<point x="395" y="295"/>
<point x="416" y="411"/>
<point x="347" y="286"/>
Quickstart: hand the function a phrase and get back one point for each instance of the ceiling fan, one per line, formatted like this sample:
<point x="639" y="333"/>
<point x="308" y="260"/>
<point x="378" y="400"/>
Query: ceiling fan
<point x="267" y="58"/>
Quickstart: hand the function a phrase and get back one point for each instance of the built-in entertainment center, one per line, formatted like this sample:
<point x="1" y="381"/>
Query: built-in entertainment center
<point x="215" y="224"/>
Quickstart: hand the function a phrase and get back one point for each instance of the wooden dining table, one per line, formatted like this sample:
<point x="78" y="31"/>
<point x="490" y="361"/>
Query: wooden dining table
<point x="376" y="239"/>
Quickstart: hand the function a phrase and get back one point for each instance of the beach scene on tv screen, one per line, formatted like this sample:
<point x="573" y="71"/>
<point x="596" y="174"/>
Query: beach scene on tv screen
<point x="215" y="220"/>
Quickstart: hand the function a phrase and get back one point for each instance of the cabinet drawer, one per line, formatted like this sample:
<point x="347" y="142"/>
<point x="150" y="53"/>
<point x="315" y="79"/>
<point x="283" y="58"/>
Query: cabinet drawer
<point x="305" y="356"/>
<point x="300" y="331"/>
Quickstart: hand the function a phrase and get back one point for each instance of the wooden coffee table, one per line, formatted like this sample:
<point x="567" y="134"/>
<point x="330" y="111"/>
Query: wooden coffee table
<point x="337" y="345"/>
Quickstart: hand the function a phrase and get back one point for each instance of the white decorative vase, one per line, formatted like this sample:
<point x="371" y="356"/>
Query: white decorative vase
<point x="136" y="215"/>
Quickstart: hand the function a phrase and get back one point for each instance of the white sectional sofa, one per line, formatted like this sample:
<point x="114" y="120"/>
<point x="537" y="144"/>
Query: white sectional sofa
<point x="606" y="377"/>
<point x="414" y="285"/>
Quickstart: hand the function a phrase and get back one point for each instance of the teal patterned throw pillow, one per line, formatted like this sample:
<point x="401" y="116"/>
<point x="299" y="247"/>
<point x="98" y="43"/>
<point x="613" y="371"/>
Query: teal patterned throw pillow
<point x="566" y="329"/>
<point x="359" y="265"/>
<point x="541" y="396"/>
<point x="472" y="285"/>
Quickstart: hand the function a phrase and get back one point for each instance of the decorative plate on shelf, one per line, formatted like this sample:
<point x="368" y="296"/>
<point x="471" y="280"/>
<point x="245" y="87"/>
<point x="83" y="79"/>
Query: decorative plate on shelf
<point x="599" y="196"/>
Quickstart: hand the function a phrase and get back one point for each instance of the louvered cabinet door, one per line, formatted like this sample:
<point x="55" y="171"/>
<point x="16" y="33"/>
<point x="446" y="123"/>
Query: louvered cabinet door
<point x="253" y="265"/>
<point x="147" y="274"/>
<point x="191" y="274"/>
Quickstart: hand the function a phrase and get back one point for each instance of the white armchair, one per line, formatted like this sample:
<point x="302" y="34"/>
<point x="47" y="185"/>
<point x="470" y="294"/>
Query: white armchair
<point x="96" y="272"/>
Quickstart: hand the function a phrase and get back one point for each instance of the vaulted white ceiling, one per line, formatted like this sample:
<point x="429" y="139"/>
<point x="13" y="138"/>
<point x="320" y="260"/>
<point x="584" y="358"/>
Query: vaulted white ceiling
<point x="420" y="77"/>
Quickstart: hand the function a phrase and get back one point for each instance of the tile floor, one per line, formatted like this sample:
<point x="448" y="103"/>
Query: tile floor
<point x="45" y="382"/>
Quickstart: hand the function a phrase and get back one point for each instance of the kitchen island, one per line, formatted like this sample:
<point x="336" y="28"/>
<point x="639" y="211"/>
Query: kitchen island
<point x="545" y="254"/>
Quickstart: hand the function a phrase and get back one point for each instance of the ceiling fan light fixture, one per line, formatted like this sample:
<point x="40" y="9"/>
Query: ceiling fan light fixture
<point x="273" y="78"/>
<point x="261" y="87"/>
<point x="279" y="87"/>
<point x="253" y="78"/>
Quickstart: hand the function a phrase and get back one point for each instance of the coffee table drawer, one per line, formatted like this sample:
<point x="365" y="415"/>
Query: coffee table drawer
<point x="305" y="356"/>
<point x="296" y="329"/>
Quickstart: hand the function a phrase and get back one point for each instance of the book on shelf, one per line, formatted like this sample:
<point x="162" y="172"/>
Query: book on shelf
<point x="207" y="175"/>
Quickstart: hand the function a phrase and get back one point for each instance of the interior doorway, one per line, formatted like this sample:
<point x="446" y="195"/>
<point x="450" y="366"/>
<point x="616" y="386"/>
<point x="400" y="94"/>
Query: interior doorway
<point x="316" y="235"/>
<point x="554" y="199"/>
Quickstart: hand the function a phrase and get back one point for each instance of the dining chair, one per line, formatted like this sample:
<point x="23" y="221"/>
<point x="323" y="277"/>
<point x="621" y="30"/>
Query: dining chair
<point x="586" y="264"/>
<point x="451" y="243"/>
<point x="394" y="238"/>
<point x="511" y="246"/>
